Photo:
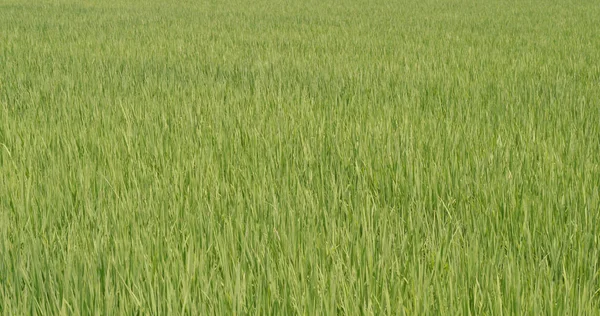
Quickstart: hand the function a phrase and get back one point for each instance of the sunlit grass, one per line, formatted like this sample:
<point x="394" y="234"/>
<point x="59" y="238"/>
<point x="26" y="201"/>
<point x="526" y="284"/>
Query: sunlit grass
<point x="287" y="157"/>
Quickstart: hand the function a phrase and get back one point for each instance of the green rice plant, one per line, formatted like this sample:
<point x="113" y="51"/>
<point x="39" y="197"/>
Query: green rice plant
<point x="299" y="157"/>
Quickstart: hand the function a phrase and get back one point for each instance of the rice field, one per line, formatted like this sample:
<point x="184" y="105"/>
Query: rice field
<point x="281" y="157"/>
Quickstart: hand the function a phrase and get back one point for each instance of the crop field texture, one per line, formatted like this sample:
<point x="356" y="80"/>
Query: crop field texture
<point x="299" y="157"/>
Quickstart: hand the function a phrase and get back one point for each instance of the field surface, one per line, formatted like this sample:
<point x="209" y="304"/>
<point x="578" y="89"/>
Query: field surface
<point x="299" y="157"/>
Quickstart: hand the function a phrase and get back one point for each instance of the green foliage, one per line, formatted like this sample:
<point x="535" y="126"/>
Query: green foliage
<point x="299" y="157"/>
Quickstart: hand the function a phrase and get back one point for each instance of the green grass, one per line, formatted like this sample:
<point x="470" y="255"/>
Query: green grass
<point x="300" y="157"/>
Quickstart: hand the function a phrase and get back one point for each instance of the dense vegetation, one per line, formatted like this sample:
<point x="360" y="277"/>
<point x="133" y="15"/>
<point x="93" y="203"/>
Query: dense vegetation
<point x="309" y="157"/>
